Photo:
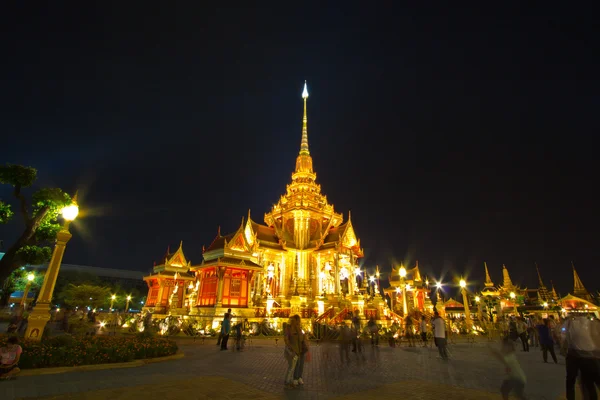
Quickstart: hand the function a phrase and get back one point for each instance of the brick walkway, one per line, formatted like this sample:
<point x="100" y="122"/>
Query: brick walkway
<point x="206" y="373"/>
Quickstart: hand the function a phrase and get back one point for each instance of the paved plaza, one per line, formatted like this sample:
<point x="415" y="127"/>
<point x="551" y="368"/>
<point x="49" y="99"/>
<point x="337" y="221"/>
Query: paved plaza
<point x="257" y="373"/>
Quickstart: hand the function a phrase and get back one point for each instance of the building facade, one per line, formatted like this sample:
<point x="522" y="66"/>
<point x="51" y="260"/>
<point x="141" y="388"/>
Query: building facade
<point x="302" y="259"/>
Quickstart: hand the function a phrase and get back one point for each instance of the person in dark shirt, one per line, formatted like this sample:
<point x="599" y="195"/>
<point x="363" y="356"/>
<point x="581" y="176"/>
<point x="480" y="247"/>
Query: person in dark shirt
<point x="546" y="341"/>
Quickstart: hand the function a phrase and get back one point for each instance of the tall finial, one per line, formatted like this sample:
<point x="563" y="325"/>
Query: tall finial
<point x="304" y="143"/>
<point x="507" y="284"/>
<point x="539" y="275"/>
<point x="553" y="293"/>
<point x="488" y="278"/>
<point x="578" y="289"/>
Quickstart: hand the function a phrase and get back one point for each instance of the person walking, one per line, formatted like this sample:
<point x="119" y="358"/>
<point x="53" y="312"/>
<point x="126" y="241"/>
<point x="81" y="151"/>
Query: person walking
<point x="546" y="341"/>
<point x="532" y="331"/>
<point x="374" y="329"/>
<point x="423" y="330"/>
<point x="581" y="345"/>
<point x="296" y="347"/>
<point x="439" y="335"/>
<point x="225" y="316"/>
<point x="356" y="345"/>
<point x="522" y="333"/>
<point x="409" y="331"/>
<point x="225" y="330"/>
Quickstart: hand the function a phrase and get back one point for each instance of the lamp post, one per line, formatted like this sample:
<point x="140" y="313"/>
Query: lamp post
<point x="513" y="297"/>
<point x="112" y="301"/>
<point x="479" y="313"/>
<point x="128" y="298"/>
<point x="30" y="278"/>
<point x="463" y="289"/>
<point x="403" y="288"/>
<point x="40" y="315"/>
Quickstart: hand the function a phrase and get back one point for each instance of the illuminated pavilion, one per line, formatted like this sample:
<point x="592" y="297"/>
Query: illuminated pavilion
<point x="303" y="259"/>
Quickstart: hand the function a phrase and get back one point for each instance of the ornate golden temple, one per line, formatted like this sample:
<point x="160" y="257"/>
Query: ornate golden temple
<point x="303" y="259"/>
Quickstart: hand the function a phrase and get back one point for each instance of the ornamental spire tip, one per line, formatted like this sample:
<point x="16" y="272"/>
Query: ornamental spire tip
<point x="305" y="91"/>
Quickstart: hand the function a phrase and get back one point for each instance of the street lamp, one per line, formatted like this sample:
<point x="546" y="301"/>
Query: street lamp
<point x="403" y="287"/>
<point x="40" y="315"/>
<point x="127" y="303"/>
<point x="463" y="289"/>
<point x="479" y="314"/>
<point x="112" y="301"/>
<point x="30" y="278"/>
<point x="513" y="297"/>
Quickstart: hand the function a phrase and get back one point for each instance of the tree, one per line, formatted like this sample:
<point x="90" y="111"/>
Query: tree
<point x="67" y="278"/>
<point x="86" y="296"/>
<point x="17" y="280"/>
<point x="40" y="218"/>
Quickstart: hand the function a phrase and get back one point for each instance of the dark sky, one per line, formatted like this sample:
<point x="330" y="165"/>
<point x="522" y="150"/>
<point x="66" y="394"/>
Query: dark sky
<point x="455" y="136"/>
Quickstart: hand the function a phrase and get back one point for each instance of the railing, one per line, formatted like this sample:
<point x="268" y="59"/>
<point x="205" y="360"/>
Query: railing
<point x="341" y="316"/>
<point x="395" y="316"/>
<point x="280" y="312"/>
<point x="326" y="315"/>
<point x="308" y="313"/>
<point x="260" y="312"/>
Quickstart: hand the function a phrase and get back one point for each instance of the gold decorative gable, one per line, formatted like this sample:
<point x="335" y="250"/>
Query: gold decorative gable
<point x="349" y="240"/>
<point x="178" y="258"/>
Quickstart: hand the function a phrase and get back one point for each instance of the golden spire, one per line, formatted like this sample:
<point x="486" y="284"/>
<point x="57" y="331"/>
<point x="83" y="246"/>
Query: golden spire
<point x="578" y="289"/>
<point x="553" y="293"/>
<point x="541" y="283"/>
<point x="304" y="160"/>
<point x="488" y="279"/>
<point x="507" y="284"/>
<point x="304" y="143"/>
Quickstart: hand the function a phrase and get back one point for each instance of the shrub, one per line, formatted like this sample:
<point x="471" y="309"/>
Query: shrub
<point x="67" y="350"/>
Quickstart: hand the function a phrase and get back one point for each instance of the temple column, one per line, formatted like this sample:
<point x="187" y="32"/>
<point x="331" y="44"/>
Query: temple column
<point x="221" y="275"/>
<point x="283" y="278"/>
<point x="337" y="274"/>
<point x="161" y="289"/>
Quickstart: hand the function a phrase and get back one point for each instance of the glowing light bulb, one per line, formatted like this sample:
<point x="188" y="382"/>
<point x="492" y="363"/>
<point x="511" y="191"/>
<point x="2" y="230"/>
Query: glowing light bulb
<point x="70" y="212"/>
<point x="402" y="272"/>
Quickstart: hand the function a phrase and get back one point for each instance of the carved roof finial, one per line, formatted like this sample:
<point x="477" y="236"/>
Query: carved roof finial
<point x="304" y="142"/>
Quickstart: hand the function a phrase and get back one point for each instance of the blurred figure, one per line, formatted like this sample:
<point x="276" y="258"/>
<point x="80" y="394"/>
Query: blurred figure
<point x="225" y="330"/>
<point x="423" y="330"/>
<point x="516" y="379"/>
<point x="546" y="340"/>
<point x="356" y="344"/>
<point x="408" y="330"/>
<point x="346" y="339"/>
<point x="522" y="333"/>
<point x="374" y="329"/>
<point x="581" y="346"/>
<point x="296" y="347"/>
<point x="439" y="335"/>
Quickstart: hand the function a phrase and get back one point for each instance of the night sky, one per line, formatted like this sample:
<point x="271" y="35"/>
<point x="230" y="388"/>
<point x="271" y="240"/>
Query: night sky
<point x="455" y="136"/>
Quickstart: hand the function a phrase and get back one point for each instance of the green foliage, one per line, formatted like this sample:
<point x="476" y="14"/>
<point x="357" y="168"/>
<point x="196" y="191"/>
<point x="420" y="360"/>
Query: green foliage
<point x="87" y="295"/>
<point x="39" y="218"/>
<point x="66" y="278"/>
<point x="6" y="212"/>
<point x="80" y="326"/>
<point x="20" y="278"/>
<point x="17" y="175"/>
<point x="66" y="351"/>
<point x="34" y="254"/>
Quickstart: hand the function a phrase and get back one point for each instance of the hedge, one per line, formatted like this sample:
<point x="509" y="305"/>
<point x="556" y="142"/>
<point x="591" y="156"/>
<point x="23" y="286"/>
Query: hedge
<point x="68" y="351"/>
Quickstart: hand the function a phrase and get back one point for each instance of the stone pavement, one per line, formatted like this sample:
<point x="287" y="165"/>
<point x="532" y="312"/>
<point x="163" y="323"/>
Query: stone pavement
<point x="384" y="372"/>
